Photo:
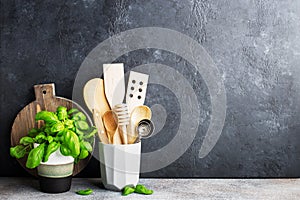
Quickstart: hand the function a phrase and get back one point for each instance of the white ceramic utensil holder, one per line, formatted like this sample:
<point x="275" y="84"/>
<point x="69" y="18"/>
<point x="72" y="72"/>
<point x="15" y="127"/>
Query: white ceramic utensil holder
<point x="120" y="165"/>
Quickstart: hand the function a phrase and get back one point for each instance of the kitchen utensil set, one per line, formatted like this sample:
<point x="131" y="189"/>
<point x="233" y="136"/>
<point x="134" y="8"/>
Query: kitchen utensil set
<point x="118" y="122"/>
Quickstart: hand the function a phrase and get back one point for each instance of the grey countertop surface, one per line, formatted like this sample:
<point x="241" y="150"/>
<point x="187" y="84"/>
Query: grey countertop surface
<point x="28" y="188"/>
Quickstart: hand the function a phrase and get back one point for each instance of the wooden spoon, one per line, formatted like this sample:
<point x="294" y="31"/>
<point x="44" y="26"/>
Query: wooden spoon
<point x="138" y="114"/>
<point x="93" y="93"/>
<point x="110" y="120"/>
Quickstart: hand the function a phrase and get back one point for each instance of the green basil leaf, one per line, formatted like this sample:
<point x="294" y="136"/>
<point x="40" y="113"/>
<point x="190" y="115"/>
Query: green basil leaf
<point x="52" y="147"/>
<point x="50" y="138"/>
<point x="83" y="154"/>
<point x="86" y="145"/>
<point x="26" y="140"/>
<point x="40" y="138"/>
<point x="79" y="132"/>
<point x="57" y="127"/>
<point x="71" y="141"/>
<point x="64" y="150"/>
<point x="61" y="133"/>
<point x="84" y="192"/>
<point x="57" y="139"/>
<point x="72" y="111"/>
<point x="48" y="117"/>
<point x="18" y="151"/>
<point x="141" y="189"/>
<point x="128" y="190"/>
<point x="93" y="130"/>
<point x="35" y="156"/>
<point x="69" y="124"/>
<point x="82" y="125"/>
<point x="33" y="132"/>
<point x="61" y="113"/>
<point x="47" y="130"/>
<point x="79" y="116"/>
<point x="66" y="136"/>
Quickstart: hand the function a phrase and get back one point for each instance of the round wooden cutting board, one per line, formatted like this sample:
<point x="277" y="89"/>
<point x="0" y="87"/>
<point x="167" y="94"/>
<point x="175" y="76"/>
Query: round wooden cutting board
<point x="25" y="120"/>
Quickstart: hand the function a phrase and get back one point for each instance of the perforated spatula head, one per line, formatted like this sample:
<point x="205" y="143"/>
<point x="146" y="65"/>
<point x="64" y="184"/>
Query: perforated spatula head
<point x="136" y="89"/>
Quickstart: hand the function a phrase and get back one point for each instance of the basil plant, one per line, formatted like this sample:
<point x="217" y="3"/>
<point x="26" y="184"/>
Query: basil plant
<point x="65" y="130"/>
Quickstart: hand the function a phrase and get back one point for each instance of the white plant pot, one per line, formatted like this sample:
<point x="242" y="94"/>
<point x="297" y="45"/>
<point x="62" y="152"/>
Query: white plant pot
<point x="120" y="165"/>
<point x="57" y="166"/>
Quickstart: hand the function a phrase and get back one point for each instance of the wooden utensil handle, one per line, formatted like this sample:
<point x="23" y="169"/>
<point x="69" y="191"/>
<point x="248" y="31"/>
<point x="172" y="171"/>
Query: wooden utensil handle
<point x="123" y="133"/>
<point x="99" y="124"/>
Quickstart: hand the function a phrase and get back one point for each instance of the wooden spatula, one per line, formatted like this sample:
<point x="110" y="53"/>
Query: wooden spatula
<point x="25" y="120"/>
<point x="114" y="83"/>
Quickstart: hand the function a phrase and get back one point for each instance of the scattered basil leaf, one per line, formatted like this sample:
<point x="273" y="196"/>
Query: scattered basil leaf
<point x="141" y="189"/>
<point x="85" y="192"/>
<point x="128" y="190"/>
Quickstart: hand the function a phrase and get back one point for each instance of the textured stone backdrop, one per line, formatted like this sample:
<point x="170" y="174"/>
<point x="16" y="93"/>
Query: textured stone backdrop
<point x="254" y="43"/>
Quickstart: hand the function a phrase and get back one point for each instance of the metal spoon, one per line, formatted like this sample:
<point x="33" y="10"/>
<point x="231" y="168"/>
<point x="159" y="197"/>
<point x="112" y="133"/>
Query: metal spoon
<point x="145" y="129"/>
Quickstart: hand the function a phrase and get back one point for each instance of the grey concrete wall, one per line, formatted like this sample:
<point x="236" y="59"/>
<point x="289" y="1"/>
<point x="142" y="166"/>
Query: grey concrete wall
<point x="254" y="43"/>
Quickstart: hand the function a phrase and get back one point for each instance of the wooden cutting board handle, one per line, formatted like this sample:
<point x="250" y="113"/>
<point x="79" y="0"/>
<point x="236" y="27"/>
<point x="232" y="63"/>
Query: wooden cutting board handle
<point x="44" y="94"/>
<point x="25" y="120"/>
